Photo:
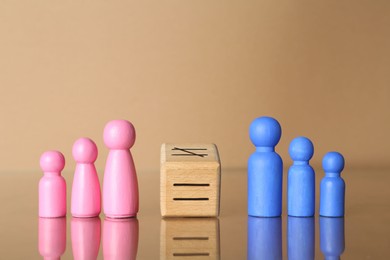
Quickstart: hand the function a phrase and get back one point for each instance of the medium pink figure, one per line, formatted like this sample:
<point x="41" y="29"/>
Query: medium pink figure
<point x="86" y="187"/>
<point x="52" y="237"/>
<point x="120" y="239"/>
<point x="85" y="234"/>
<point x="120" y="185"/>
<point x="52" y="186"/>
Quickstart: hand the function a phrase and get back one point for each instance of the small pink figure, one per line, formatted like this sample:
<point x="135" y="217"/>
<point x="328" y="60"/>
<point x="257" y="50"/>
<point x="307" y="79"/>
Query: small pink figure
<point x="52" y="237"/>
<point x="52" y="186"/>
<point x="120" y="239"/>
<point x="86" y="186"/>
<point x="120" y="185"/>
<point x="85" y="234"/>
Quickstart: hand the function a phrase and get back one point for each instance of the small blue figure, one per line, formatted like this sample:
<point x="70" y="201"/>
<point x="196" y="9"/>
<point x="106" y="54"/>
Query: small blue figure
<point x="332" y="240"/>
<point x="332" y="190"/>
<point x="301" y="179"/>
<point x="300" y="238"/>
<point x="265" y="169"/>
<point x="264" y="238"/>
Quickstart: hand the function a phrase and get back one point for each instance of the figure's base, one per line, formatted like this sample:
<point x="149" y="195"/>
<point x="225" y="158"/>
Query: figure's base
<point x="301" y="216"/>
<point x="54" y="216"/>
<point x="121" y="216"/>
<point x="85" y="216"/>
<point x="268" y="216"/>
<point x="332" y="216"/>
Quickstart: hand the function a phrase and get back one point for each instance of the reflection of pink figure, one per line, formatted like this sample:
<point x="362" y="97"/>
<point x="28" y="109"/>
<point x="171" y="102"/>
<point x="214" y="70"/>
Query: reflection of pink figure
<point x="86" y="186"/>
<point x="85" y="233"/>
<point x="52" y="237"/>
<point x="120" y="239"/>
<point x="52" y="186"/>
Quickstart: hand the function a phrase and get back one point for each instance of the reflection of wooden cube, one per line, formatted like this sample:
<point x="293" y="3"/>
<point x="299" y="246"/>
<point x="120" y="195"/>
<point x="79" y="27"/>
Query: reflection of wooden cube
<point x="190" y="180"/>
<point x="189" y="238"/>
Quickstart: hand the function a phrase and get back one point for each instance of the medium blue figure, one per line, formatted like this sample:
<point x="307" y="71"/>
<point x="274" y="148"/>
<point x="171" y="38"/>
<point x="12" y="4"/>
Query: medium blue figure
<point x="300" y="238"/>
<point x="264" y="238"/>
<point x="301" y="179"/>
<point x="332" y="240"/>
<point x="265" y="169"/>
<point x="332" y="190"/>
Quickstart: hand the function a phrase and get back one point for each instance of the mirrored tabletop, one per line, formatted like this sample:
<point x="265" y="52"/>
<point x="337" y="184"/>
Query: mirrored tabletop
<point x="364" y="233"/>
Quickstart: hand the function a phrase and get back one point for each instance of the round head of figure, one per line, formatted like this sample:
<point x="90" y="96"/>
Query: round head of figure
<point x="265" y="132"/>
<point x="52" y="161"/>
<point x="301" y="149"/>
<point x="119" y="134"/>
<point x="85" y="151"/>
<point x="333" y="162"/>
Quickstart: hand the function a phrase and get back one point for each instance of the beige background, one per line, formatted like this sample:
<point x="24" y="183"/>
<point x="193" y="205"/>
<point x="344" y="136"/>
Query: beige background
<point x="194" y="71"/>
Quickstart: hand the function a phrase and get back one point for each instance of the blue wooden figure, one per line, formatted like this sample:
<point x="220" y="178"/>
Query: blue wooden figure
<point x="265" y="169"/>
<point x="300" y="238"/>
<point x="264" y="238"/>
<point x="332" y="189"/>
<point x="301" y="179"/>
<point x="332" y="240"/>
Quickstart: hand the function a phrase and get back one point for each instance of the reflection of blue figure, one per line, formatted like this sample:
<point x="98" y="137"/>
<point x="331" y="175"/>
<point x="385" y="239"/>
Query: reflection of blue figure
<point x="301" y="179"/>
<point x="332" y="237"/>
<point x="264" y="238"/>
<point x="332" y="189"/>
<point x="300" y="238"/>
<point x="265" y="169"/>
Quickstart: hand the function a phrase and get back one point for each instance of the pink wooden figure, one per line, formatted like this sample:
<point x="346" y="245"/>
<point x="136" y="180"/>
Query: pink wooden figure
<point x="52" y="186"/>
<point x="52" y="237"/>
<point x="85" y="234"/>
<point x="120" y="185"/>
<point x="86" y="200"/>
<point x="120" y="239"/>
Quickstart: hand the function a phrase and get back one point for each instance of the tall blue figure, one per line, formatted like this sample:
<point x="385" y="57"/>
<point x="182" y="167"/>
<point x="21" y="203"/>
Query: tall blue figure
<point x="300" y="238"/>
<point x="332" y="239"/>
<point x="265" y="169"/>
<point x="264" y="238"/>
<point x="332" y="189"/>
<point x="301" y="179"/>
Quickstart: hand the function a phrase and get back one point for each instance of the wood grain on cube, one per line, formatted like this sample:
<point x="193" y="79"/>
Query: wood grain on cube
<point x="190" y="180"/>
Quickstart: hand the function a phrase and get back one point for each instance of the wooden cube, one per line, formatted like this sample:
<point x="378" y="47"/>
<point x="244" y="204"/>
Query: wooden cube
<point x="189" y="238"/>
<point x="190" y="180"/>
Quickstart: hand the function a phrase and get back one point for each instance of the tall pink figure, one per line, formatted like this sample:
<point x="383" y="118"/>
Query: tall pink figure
<point x="86" y="187"/>
<point x="52" y="186"/>
<point x="120" y="185"/>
